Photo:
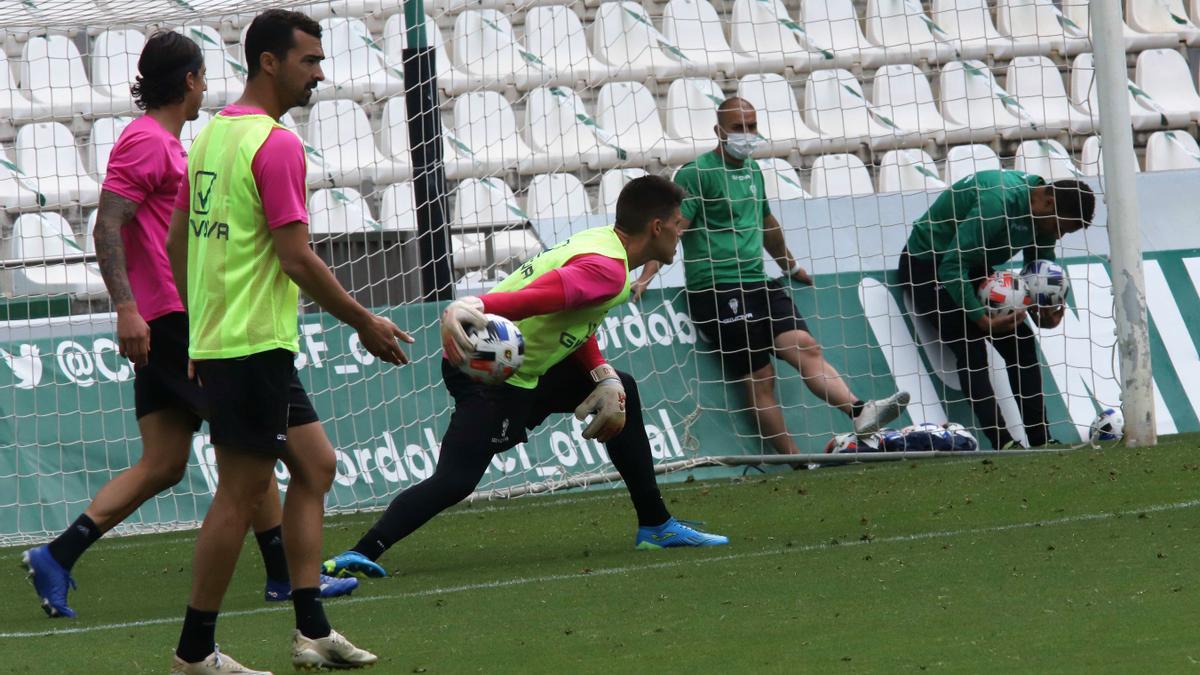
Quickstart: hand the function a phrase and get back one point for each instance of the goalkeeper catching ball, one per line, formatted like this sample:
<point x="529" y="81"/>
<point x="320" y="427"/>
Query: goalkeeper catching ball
<point x="557" y="299"/>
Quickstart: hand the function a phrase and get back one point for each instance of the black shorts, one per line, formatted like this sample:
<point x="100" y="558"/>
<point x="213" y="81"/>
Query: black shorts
<point x="499" y="415"/>
<point x="163" y="384"/>
<point x="743" y="320"/>
<point x="253" y="400"/>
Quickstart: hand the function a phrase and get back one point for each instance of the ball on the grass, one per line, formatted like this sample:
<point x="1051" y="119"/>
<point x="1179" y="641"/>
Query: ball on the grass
<point x="1046" y="282"/>
<point x="1003" y="293"/>
<point x="499" y="351"/>
<point x="1108" y="427"/>
<point x="842" y="443"/>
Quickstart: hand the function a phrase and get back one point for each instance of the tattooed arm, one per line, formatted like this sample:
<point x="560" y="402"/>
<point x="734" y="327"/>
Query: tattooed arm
<point x="133" y="333"/>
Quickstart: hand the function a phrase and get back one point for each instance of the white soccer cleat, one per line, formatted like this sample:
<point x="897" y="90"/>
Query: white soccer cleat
<point x="215" y="664"/>
<point x="875" y="414"/>
<point x="333" y="651"/>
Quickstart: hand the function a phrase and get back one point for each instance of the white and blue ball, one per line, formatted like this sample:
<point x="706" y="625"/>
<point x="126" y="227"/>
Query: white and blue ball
<point x="1046" y="283"/>
<point x="1108" y="427"/>
<point x="960" y="437"/>
<point x="499" y="351"/>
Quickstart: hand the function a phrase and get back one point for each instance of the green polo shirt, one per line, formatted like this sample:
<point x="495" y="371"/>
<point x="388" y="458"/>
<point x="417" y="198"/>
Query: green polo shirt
<point x="726" y="206"/>
<point x="979" y="223"/>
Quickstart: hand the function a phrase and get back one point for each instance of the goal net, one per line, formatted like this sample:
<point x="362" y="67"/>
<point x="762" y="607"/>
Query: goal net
<point x="866" y="112"/>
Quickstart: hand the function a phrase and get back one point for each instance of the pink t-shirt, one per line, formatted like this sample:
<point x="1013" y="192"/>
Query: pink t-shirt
<point x="145" y="167"/>
<point x="278" y="168"/>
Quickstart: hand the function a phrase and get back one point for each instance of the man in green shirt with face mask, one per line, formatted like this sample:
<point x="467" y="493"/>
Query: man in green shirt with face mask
<point x="748" y="317"/>
<point x="981" y="222"/>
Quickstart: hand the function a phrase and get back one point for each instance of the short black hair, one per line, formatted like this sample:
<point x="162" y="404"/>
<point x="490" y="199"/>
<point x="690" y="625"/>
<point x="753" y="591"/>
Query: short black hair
<point x="275" y="31"/>
<point x="163" y="68"/>
<point x="1074" y="200"/>
<point x="644" y="199"/>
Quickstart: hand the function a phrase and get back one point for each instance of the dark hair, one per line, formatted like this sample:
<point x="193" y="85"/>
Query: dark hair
<point x="163" y="68"/>
<point x="644" y="199"/>
<point x="1074" y="200"/>
<point x="274" y="31"/>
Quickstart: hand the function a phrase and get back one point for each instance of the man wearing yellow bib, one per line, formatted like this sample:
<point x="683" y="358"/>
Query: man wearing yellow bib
<point x="239" y="249"/>
<point x="557" y="299"/>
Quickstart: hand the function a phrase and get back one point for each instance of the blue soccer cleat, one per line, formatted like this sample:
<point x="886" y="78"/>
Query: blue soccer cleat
<point x="675" y="533"/>
<point x="50" y="580"/>
<point x="353" y="564"/>
<point x="278" y="591"/>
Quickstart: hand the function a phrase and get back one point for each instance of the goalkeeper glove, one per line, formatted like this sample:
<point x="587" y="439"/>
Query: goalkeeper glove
<point x="606" y="404"/>
<point x="465" y="311"/>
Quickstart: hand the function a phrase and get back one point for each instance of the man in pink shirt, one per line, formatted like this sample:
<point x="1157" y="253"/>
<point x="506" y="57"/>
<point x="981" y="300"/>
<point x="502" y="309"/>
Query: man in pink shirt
<point x="140" y="187"/>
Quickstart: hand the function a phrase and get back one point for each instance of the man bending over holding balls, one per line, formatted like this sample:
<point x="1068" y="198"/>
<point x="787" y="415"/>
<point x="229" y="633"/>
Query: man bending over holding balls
<point x="557" y="300"/>
<point x="979" y="223"/>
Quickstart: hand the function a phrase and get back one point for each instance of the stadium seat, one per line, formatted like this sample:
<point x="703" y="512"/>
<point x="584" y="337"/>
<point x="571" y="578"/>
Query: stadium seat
<point x="1144" y="110"/>
<point x="1038" y="88"/>
<point x="105" y="132"/>
<point x="780" y="119"/>
<point x="695" y="29"/>
<point x="485" y="121"/>
<point x="902" y="93"/>
<point x="223" y="73"/>
<point x="1038" y="27"/>
<point x="457" y="157"/>
<point x="486" y="202"/>
<point x="114" y="65"/>
<point x="509" y="248"/>
<point x="1162" y="16"/>
<point x="1090" y="158"/>
<point x="341" y="134"/>
<point x="908" y="171"/>
<point x="905" y="33"/>
<point x="355" y="65"/>
<point x="486" y="48"/>
<point x="557" y="195"/>
<point x="1164" y="75"/>
<point x="969" y="29"/>
<point x="1079" y="12"/>
<point x="840" y="175"/>
<point x="1046" y="158"/>
<point x="450" y="80"/>
<point x="762" y="31"/>
<point x="966" y="160"/>
<point x="611" y="184"/>
<point x="555" y="35"/>
<point x="89" y="241"/>
<point x="397" y="207"/>
<point x="339" y="211"/>
<point x="52" y="69"/>
<point x="625" y="37"/>
<point x="357" y="8"/>
<point x="971" y="97"/>
<point x="14" y="104"/>
<point x="563" y="136"/>
<point x="628" y="111"/>
<point x="47" y="151"/>
<point x="1170" y="150"/>
<point x="836" y="106"/>
<point x="18" y="189"/>
<point x="781" y="180"/>
<point x="692" y="111"/>
<point x="39" y="240"/>
<point x="833" y="24"/>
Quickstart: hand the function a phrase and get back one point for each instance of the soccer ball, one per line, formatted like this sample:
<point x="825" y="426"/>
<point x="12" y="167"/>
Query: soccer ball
<point x="1108" y="427"/>
<point x="842" y="443"/>
<point x="1003" y="293"/>
<point x="499" y="351"/>
<point x="960" y="438"/>
<point x="1046" y="283"/>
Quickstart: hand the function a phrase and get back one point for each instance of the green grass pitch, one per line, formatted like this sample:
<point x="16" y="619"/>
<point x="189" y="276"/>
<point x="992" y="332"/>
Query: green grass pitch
<point x="1083" y="562"/>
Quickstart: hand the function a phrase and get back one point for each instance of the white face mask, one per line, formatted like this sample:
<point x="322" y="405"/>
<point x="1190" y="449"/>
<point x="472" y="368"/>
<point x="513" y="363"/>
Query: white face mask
<point x="740" y="146"/>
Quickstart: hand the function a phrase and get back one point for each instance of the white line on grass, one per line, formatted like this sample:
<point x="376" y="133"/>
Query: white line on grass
<point x="610" y="571"/>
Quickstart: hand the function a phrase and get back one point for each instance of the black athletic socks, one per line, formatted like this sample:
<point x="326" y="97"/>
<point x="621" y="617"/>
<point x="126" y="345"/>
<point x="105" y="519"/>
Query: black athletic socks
<point x="371" y="545"/>
<point x="74" y="540"/>
<point x="199" y="636"/>
<point x="310" y="614"/>
<point x="856" y="407"/>
<point x="270" y="543"/>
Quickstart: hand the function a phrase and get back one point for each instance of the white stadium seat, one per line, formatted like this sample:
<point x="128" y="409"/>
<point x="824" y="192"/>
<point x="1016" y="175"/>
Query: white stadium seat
<point x="18" y="189"/>
<point x="224" y="74"/>
<point x="341" y="133"/>
<point x="14" y="104"/>
<point x="486" y="202"/>
<point x="509" y="247"/>
<point x="451" y="80"/>
<point x="1079" y="11"/>
<point x="628" y="111"/>
<point x="966" y="160"/>
<point x="780" y="118"/>
<point x="1045" y="158"/>
<point x="52" y="70"/>
<point x="1144" y="110"/>
<point x="833" y="24"/>
<point x="563" y="136"/>
<point x="1092" y="156"/>
<point x="1165" y="75"/>
<point x="46" y="151"/>
<point x="611" y="184"/>
<point x="114" y="64"/>
<point x="840" y="175"/>
<point x="555" y="35"/>
<point x="903" y="94"/>
<point x="457" y="157"/>
<point x="969" y="29"/>
<point x="355" y="65"/>
<point x="1162" y="16"/>
<point x="89" y="242"/>
<point x="1035" y="83"/>
<point x="1038" y="27"/>
<point x="485" y="121"/>
<point x="40" y="239"/>
<point x="1170" y="150"/>
<point x="761" y="30"/>
<point x="486" y="47"/>
<point x="971" y="97"/>
<point x="692" y="111"/>
<point x="105" y="132"/>
<point x="905" y="32"/>
<point x="908" y="171"/>
<point x="340" y="211"/>
<point x="836" y="106"/>
<point x="397" y="208"/>
<point x="557" y="195"/>
<point x="694" y="27"/>
<point x="624" y="35"/>
<point x="781" y="180"/>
